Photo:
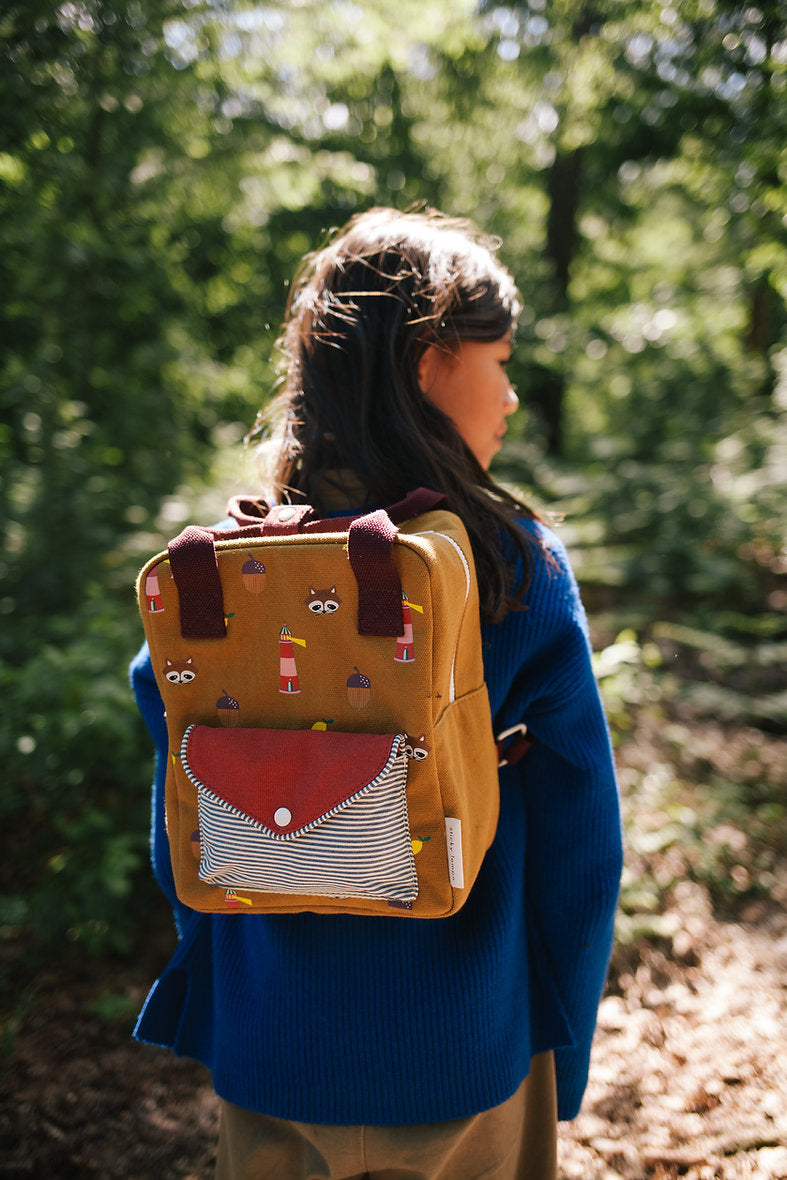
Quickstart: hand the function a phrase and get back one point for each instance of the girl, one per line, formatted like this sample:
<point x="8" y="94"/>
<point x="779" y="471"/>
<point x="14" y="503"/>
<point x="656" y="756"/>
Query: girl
<point x="349" y="1046"/>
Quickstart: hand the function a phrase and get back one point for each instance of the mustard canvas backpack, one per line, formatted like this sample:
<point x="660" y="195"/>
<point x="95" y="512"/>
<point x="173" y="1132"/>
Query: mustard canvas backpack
<point x="330" y="738"/>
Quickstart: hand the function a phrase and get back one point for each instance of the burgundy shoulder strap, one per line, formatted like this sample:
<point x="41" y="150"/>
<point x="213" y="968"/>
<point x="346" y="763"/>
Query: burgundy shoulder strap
<point x="415" y="504"/>
<point x="247" y="510"/>
<point x="285" y="519"/>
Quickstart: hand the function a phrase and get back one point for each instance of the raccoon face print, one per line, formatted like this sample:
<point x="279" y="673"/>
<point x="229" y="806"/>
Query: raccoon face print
<point x="323" y="602"/>
<point x="416" y="748"/>
<point x="179" y="671"/>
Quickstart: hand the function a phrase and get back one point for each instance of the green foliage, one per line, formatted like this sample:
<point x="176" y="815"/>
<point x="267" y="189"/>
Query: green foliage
<point x="114" y="1008"/>
<point x="76" y="786"/>
<point x="696" y="719"/>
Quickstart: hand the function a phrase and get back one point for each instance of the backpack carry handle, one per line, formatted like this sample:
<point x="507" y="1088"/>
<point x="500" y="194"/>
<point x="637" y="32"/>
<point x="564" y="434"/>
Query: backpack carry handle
<point x="370" y="541"/>
<point x="192" y="559"/>
<point x="195" y="569"/>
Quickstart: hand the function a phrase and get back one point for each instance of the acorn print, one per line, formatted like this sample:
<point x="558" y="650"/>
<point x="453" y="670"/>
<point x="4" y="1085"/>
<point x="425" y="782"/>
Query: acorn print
<point x="254" y="575"/>
<point x="228" y="709"/>
<point x="359" y="689"/>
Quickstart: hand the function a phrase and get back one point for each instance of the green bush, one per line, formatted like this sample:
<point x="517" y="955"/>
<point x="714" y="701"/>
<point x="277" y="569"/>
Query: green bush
<point x="75" y="800"/>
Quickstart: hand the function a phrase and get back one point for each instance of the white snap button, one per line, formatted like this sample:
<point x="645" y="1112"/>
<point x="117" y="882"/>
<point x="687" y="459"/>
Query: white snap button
<point x="282" y="816"/>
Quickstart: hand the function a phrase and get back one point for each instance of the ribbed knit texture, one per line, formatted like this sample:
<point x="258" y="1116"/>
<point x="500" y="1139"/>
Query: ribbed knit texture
<point x="333" y="1019"/>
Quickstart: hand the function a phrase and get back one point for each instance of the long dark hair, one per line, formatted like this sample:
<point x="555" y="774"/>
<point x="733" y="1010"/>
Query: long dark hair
<point x="361" y="312"/>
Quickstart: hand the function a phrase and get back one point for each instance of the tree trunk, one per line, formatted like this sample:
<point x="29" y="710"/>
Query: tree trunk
<point x="563" y="188"/>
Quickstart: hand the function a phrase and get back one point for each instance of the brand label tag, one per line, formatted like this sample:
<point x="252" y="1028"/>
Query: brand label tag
<point x="453" y="839"/>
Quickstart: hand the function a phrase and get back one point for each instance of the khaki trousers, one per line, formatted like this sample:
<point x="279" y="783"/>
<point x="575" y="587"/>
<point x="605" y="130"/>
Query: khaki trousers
<point x="514" y="1141"/>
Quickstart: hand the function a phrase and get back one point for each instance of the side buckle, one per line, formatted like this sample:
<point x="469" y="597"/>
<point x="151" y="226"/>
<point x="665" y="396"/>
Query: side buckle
<point x="512" y="745"/>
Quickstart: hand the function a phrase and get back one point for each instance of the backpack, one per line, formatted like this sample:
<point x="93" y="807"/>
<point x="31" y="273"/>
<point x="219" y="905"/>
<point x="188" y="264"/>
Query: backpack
<point x="330" y="737"/>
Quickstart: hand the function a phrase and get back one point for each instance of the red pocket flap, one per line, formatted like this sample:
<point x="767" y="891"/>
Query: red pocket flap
<point x="286" y="779"/>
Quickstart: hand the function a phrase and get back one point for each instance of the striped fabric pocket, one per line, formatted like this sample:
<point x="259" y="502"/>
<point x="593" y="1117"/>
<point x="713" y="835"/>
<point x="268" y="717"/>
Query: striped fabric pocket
<point x="302" y="811"/>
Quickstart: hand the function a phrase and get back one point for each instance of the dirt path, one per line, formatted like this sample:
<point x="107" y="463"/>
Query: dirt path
<point x="689" y="1075"/>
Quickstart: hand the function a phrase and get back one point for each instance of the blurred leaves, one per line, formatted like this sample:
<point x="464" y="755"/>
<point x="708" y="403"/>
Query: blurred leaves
<point x="702" y="768"/>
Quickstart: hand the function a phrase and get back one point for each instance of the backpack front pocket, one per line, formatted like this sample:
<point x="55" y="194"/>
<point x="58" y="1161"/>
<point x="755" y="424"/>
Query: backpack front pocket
<point x="302" y="811"/>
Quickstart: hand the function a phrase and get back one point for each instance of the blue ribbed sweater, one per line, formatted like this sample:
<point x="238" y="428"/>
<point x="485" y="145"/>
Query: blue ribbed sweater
<point x="334" y="1019"/>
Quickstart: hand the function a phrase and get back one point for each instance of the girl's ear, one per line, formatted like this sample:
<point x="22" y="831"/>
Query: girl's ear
<point x="427" y="367"/>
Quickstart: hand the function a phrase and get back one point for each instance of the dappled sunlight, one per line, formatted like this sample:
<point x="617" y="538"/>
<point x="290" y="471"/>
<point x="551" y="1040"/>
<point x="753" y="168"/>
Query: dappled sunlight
<point x="163" y="169"/>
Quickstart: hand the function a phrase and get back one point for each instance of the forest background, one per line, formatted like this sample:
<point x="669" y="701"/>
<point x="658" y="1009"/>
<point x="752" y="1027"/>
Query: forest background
<point x="164" y="164"/>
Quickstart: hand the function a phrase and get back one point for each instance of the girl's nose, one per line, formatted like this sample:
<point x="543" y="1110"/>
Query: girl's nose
<point x="511" y="401"/>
